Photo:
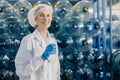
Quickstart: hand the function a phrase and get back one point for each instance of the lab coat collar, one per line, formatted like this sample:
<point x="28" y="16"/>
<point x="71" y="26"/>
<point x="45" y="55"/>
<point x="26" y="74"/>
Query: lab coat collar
<point x="39" y="37"/>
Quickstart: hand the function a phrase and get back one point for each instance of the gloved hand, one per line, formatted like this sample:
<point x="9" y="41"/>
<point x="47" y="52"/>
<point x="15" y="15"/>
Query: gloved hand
<point x="50" y="49"/>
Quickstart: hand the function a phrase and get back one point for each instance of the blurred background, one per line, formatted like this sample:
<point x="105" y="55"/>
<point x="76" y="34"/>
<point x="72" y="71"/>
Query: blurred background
<point x="87" y="33"/>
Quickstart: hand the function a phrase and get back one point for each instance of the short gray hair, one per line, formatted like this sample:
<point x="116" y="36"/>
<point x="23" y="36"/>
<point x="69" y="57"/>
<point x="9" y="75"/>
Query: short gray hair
<point x="39" y="7"/>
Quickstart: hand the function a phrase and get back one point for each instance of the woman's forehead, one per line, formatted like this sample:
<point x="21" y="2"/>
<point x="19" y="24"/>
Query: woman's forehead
<point x="45" y="11"/>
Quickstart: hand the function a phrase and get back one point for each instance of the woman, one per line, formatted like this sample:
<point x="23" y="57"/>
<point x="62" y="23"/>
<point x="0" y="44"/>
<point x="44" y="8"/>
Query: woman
<point x="37" y="57"/>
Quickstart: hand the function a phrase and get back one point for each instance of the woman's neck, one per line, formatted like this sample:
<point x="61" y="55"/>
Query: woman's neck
<point x="44" y="33"/>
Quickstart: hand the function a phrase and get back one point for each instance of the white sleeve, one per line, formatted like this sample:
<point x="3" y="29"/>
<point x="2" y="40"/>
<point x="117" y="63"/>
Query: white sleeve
<point x="58" y="70"/>
<point x="58" y="65"/>
<point x="24" y="62"/>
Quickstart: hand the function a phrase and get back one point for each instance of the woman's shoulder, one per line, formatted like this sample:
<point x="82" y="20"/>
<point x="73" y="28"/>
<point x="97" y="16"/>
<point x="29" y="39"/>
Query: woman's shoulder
<point x="28" y="37"/>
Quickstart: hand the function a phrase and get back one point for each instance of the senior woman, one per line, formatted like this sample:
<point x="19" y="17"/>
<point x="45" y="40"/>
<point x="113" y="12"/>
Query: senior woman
<point x="37" y="57"/>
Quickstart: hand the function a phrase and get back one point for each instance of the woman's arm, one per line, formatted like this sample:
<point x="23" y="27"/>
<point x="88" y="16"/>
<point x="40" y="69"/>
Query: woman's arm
<point x="25" y="63"/>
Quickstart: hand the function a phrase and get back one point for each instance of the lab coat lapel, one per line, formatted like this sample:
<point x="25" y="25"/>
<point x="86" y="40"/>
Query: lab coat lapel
<point x="39" y="38"/>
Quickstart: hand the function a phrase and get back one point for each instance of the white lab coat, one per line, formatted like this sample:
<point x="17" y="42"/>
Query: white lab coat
<point x="28" y="62"/>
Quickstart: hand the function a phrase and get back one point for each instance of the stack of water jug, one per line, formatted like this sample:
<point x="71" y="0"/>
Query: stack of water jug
<point x="75" y="29"/>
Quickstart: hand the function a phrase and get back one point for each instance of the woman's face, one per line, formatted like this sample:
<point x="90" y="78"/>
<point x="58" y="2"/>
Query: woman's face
<point x="44" y="19"/>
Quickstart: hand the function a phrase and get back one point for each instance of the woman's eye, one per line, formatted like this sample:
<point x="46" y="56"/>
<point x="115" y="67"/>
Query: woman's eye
<point x="47" y="15"/>
<point x="40" y="15"/>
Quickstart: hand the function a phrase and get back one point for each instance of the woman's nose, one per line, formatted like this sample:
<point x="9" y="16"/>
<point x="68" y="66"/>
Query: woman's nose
<point x="45" y="17"/>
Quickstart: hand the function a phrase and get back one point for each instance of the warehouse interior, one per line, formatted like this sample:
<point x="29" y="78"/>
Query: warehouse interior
<point x="87" y="34"/>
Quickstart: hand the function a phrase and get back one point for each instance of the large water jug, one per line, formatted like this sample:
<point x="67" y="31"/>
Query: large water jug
<point x="15" y="27"/>
<point x="6" y="9"/>
<point x="116" y="60"/>
<point x="55" y="25"/>
<point x="92" y="27"/>
<point x="83" y="9"/>
<point x="73" y="26"/>
<point x="84" y="73"/>
<point x="63" y="9"/>
<point x="43" y="2"/>
<point x="83" y="43"/>
<point x="64" y="40"/>
<point x="95" y="59"/>
<point x="67" y="71"/>
<point x="21" y="8"/>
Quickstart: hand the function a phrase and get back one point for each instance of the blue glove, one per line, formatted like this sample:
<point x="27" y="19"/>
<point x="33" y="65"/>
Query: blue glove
<point x="50" y="49"/>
